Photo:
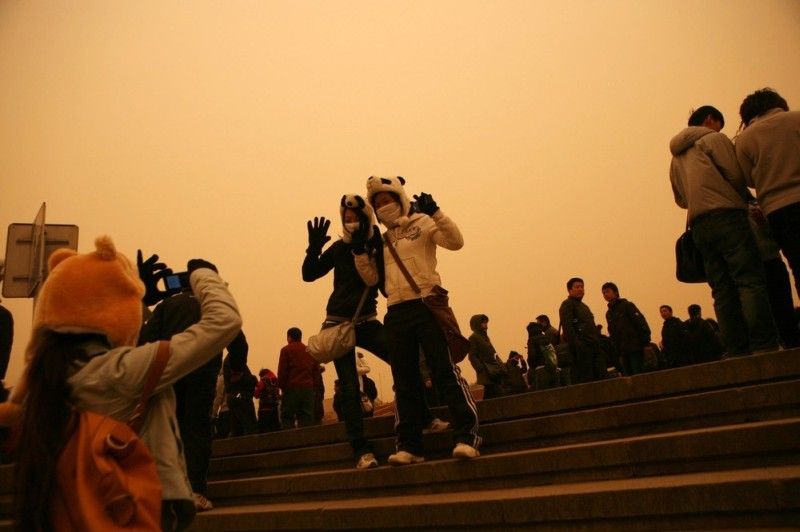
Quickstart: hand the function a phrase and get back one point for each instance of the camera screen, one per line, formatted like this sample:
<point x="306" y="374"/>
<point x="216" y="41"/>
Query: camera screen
<point x="173" y="282"/>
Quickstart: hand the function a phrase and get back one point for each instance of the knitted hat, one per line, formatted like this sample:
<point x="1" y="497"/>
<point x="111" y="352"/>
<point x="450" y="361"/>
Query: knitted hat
<point x="99" y="292"/>
<point x="364" y="210"/>
<point x="392" y="184"/>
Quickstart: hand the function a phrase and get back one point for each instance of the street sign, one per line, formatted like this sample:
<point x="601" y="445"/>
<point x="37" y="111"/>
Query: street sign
<point x="25" y="268"/>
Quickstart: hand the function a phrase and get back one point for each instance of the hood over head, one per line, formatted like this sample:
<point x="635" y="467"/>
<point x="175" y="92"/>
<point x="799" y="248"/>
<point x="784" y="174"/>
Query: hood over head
<point x="686" y="138"/>
<point x="364" y="211"/>
<point x="476" y="320"/>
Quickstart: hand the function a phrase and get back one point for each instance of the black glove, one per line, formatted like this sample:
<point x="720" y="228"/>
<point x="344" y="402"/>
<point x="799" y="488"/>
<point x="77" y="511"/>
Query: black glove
<point x="196" y="264"/>
<point x="425" y="204"/>
<point x="317" y="234"/>
<point x="150" y="272"/>
<point x="359" y="239"/>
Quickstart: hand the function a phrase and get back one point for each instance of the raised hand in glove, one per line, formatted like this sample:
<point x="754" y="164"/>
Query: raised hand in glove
<point x="317" y="234"/>
<point x="359" y="239"/>
<point x="150" y="272"/>
<point x="425" y="204"/>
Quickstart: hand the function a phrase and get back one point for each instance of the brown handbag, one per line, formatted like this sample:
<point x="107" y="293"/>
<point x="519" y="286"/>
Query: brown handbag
<point x="106" y="478"/>
<point x="439" y="303"/>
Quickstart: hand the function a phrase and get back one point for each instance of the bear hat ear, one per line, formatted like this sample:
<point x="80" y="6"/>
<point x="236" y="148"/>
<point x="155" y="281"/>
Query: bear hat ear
<point x="58" y="256"/>
<point x="402" y="179"/>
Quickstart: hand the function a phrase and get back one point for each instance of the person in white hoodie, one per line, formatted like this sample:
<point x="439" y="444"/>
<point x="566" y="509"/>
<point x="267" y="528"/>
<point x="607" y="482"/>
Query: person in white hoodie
<point x="707" y="181"/>
<point x="410" y="324"/>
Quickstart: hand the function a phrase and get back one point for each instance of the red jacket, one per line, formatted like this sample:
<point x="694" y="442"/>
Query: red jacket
<point x="296" y="367"/>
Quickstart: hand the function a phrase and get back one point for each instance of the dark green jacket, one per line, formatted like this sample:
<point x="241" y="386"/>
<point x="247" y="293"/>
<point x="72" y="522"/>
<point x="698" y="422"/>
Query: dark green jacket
<point x="482" y="354"/>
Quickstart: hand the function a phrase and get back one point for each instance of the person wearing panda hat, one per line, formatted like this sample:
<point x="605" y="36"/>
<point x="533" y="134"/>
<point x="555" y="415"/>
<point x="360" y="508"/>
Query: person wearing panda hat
<point x="411" y="326"/>
<point x="82" y="354"/>
<point x="354" y="260"/>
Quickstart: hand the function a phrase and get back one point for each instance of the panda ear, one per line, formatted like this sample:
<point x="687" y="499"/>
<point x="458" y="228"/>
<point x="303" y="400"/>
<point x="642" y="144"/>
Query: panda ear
<point x="402" y="180"/>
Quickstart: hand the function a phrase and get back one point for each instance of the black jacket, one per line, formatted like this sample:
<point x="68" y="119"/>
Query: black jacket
<point x="347" y="283"/>
<point x="627" y="327"/>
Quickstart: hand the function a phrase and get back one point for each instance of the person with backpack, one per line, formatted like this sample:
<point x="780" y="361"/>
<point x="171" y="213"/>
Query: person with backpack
<point x="269" y="401"/>
<point x="81" y="357"/>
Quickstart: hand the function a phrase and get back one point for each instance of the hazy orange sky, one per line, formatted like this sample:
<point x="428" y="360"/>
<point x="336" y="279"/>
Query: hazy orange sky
<point x="216" y="129"/>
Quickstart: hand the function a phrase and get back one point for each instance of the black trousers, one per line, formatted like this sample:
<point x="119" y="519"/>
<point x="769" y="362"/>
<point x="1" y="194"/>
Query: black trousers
<point x="370" y="335"/>
<point x="194" y="396"/>
<point x="410" y="326"/>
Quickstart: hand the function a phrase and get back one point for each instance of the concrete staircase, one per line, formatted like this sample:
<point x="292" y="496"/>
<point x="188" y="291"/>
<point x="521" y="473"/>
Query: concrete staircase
<point x="712" y="446"/>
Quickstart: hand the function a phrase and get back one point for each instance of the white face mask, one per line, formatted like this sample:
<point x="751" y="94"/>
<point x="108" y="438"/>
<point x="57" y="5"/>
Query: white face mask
<point x="388" y="214"/>
<point x="352" y="227"/>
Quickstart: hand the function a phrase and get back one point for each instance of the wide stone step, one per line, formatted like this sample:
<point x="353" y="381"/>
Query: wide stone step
<point x="773" y="400"/>
<point x="729" y="447"/>
<point x="781" y="365"/>
<point x="766" y="497"/>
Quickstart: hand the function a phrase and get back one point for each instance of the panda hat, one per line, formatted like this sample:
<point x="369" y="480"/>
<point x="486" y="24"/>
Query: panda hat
<point x="364" y="211"/>
<point x="393" y="185"/>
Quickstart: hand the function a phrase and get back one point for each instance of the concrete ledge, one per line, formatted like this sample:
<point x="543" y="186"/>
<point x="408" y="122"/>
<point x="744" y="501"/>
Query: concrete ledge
<point x="742" y="371"/>
<point x="739" y="446"/>
<point x="764" y="497"/>
<point x="726" y="406"/>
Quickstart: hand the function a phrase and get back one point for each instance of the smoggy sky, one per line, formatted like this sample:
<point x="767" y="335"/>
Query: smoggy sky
<point x="216" y="129"/>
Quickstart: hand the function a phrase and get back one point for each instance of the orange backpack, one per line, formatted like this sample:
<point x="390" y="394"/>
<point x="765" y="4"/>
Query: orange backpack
<point x="106" y="478"/>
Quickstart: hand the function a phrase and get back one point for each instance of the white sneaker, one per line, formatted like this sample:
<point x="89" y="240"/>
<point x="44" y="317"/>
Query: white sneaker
<point x="437" y="425"/>
<point x="367" y="461"/>
<point x="465" y="452"/>
<point x="405" y="458"/>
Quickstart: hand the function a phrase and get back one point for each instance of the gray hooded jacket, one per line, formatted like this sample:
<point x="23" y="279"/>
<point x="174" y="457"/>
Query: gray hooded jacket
<point x="704" y="172"/>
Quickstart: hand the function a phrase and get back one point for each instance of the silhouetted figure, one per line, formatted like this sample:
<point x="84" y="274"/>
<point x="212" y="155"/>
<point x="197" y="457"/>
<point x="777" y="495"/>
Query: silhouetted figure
<point x="704" y="345"/>
<point x="296" y="369"/>
<point x="490" y="370"/>
<point x="674" y="340"/>
<point x="588" y="362"/>
<point x="269" y="401"/>
<point x="627" y="328"/>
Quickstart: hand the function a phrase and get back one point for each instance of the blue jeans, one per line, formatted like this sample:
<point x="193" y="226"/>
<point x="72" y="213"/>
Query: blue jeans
<point x="736" y="276"/>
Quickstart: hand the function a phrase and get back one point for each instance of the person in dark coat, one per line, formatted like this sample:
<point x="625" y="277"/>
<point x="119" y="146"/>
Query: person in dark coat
<point x="674" y="342"/>
<point x="491" y="372"/>
<point x="704" y="345"/>
<point x="627" y="328"/>
<point x="516" y="373"/>
<point x="581" y="334"/>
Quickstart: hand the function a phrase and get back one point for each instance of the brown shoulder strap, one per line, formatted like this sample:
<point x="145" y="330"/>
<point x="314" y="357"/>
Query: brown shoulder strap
<point x="400" y="264"/>
<point x="153" y="376"/>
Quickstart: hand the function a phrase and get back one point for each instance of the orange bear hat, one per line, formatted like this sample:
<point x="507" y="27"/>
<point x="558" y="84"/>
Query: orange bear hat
<point x="98" y="292"/>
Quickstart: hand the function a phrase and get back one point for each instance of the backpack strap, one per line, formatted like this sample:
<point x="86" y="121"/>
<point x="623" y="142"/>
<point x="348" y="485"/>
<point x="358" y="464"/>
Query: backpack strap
<point x="153" y="376"/>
